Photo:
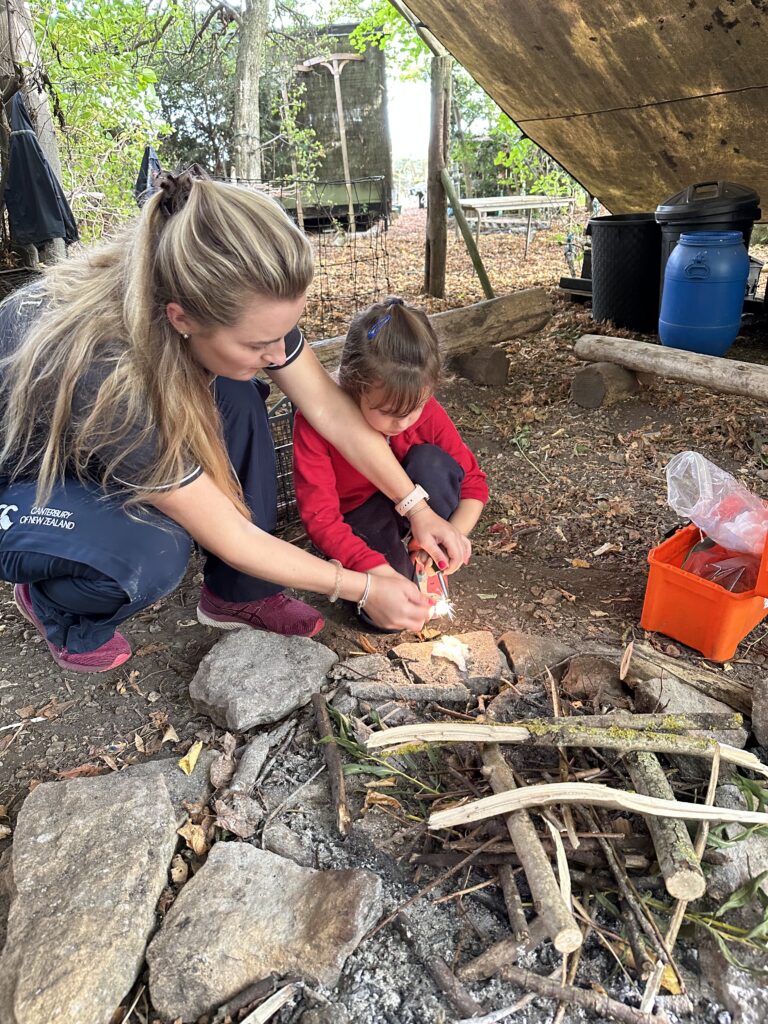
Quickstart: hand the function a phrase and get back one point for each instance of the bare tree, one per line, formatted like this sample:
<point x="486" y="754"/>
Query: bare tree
<point x="254" y="25"/>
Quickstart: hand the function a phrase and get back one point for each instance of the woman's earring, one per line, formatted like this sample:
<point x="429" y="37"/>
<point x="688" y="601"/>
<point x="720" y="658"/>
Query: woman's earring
<point x="185" y="337"/>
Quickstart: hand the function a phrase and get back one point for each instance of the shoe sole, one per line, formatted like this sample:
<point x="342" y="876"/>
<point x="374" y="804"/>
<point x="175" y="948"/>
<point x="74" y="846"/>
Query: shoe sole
<point x="65" y="665"/>
<point x="207" y="620"/>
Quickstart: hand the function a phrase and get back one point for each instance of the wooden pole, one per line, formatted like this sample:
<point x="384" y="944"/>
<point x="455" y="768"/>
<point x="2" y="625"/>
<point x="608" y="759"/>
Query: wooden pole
<point x="461" y="220"/>
<point x="336" y="67"/>
<point x="726" y="375"/>
<point x="437" y="227"/>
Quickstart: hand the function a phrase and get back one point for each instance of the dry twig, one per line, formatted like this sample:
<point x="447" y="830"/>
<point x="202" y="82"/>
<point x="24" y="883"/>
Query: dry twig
<point x="334" y="763"/>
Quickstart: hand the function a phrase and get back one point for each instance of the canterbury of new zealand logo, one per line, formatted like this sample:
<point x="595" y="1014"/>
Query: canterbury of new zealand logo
<point x="5" y="521"/>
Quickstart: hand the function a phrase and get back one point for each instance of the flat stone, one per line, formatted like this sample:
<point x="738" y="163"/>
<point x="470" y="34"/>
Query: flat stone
<point x="760" y="710"/>
<point x="248" y="913"/>
<point x="744" y="995"/>
<point x="182" y="788"/>
<point x="254" y="678"/>
<point x="284" y="842"/>
<point x="486" y="667"/>
<point x="90" y="859"/>
<point x="374" y="677"/>
<point x="672" y="696"/>
<point x="252" y="760"/>
<point x="530" y="656"/>
<point x="591" y="677"/>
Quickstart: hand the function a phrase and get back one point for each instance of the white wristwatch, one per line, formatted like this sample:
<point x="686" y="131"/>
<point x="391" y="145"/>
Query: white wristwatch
<point x="411" y="500"/>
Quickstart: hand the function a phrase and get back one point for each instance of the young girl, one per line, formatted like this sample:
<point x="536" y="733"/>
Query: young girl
<point x="131" y="424"/>
<point x="390" y="366"/>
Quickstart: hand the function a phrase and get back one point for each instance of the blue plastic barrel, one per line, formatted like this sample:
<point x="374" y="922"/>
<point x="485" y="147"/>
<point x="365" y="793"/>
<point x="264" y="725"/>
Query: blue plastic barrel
<point x="703" y="294"/>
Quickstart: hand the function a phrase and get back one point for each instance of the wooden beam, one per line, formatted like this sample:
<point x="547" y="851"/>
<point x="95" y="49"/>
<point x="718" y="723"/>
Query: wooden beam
<point x="461" y="220"/>
<point x="726" y="375"/>
<point x="468" y="327"/>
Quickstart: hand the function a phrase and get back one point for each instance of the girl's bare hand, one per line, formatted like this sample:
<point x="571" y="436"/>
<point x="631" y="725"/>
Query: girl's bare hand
<point x="447" y="547"/>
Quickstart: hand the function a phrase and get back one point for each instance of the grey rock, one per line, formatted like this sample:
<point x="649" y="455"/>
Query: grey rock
<point x="744" y="995"/>
<point x="182" y="788"/>
<point x="530" y="656"/>
<point x="253" y="678"/>
<point x="90" y="859"/>
<point x="760" y="710"/>
<point x="744" y="860"/>
<point x="486" y="667"/>
<point x="284" y="842"/>
<point x="248" y="913"/>
<point x="672" y="696"/>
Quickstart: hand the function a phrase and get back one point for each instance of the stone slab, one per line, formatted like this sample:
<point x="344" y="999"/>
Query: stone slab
<point x="90" y="859"/>
<point x="530" y="656"/>
<point x="248" y="913"/>
<point x="253" y="678"/>
<point x="486" y="667"/>
<point x="182" y="788"/>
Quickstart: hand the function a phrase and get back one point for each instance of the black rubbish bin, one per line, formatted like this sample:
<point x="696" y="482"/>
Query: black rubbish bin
<point x="626" y="257"/>
<point x="707" y="206"/>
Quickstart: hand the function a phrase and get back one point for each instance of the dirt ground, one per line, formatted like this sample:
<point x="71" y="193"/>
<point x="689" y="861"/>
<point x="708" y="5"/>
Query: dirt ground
<point x="565" y="482"/>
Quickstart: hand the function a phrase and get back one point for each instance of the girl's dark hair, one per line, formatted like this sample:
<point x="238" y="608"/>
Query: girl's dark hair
<point x="393" y="346"/>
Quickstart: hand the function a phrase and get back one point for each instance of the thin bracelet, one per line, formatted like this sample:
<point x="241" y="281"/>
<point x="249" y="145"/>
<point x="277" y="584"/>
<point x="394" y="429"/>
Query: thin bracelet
<point x="418" y="508"/>
<point x="366" y="592"/>
<point x="339" y="578"/>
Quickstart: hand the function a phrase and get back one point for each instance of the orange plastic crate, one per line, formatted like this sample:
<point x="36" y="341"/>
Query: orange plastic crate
<point x="697" y="612"/>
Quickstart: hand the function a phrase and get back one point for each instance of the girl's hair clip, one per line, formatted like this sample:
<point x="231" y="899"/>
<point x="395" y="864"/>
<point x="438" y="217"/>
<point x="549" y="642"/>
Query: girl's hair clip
<point x="375" y="328"/>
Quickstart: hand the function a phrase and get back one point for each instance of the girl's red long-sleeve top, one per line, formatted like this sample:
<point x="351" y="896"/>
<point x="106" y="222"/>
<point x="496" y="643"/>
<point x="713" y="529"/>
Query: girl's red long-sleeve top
<point x="327" y="486"/>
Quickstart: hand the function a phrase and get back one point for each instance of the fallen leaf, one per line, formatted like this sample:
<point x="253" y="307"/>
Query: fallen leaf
<point x="148" y="649"/>
<point x="365" y="644"/>
<point x="138" y="742"/>
<point x="26" y="712"/>
<point x="374" y="799"/>
<point x="5" y="831"/>
<point x="194" y="836"/>
<point x="238" y="814"/>
<point x="179" y="870"/>
<point x="82" y="771"/>
<point x="487" y="597"/>
<point x="110" y="762"/>
<point x="169" y="736"/>
<point x="188" y="762"/>
<point x="604" y="549"/>
<point x="596" y="613"/>
<point x="221" y="771"/>
<point x="580" y="563"/>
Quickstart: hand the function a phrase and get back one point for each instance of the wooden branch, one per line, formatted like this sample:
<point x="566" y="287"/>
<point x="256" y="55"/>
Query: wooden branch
<point x="601" y="1005"/>
<point x="270" y="1007"/>
<point x="514" y="904"/>
<point x="503" y="953"/>
<point x="588" y="794"/>
<point x="678" y="862"/>
<point x="562" y="732"/>
<point x="333" y="761"/>
<point x="459" y="999"/>
<point x="547" y="899"/>
<point x="656" y="665"/>
<point x="467" y="235"/>
<point x="725" y="375"/>
<point x="602" y="384"/>
<point x="481" y="323"/>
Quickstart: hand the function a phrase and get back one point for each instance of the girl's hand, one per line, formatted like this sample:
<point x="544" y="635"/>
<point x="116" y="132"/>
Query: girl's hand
<point x="448" y="548"/>
<point x="396" y="603"/>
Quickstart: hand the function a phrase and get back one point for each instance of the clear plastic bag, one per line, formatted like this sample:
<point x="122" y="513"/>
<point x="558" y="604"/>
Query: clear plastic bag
<point x="717" y="503"/>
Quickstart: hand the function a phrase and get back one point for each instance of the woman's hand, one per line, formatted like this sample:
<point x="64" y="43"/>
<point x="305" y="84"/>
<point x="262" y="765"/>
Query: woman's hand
<point x="448" y="548"/>
<point x="396" y="603"/>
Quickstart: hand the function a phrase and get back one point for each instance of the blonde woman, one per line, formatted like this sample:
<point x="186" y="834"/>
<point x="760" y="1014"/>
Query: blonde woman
<point x="132" y="426"/>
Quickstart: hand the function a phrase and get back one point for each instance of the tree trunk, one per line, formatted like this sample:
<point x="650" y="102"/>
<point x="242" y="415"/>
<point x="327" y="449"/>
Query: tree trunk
<point x="437" y="228"/>
<point x="250" y="64"/>
<point x="464" y="162"/>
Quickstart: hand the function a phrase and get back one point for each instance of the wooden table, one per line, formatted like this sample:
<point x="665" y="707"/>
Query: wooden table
<point x="484" y="205"/>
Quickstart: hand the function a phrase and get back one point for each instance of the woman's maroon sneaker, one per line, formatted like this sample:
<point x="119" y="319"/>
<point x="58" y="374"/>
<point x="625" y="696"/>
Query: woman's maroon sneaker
<point x="276" y="614"/>
<point x="110" y="655"/>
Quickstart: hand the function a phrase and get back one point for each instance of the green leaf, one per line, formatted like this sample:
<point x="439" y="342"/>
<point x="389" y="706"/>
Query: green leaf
<point x="743" y="895"/>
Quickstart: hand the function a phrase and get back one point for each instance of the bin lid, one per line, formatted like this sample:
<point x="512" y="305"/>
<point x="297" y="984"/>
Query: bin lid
<point x="708" y="199"/>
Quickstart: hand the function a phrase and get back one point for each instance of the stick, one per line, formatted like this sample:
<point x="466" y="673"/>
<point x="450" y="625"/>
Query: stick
<point x="270" y="1007"/>
<point x="599" y="1004"/>
<point x="588" y="793"/>
<point x="517" y="921"/>
<point x="547" y="733"/>
<point x="655" y="665"/>
<point x="547" y="898"/>
<point x="652" y="987"/>
<point x="677" y="858"/>
<point x="504" y="952"/>
<point x="333" y="761"/>
<point x="459" y="999"/>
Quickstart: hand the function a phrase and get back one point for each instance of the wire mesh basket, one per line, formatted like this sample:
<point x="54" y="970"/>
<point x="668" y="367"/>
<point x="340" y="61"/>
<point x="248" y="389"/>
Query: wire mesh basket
<point x="281" y="425"/>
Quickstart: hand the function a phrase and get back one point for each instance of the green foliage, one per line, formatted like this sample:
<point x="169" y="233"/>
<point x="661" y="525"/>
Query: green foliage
<point x="99" y="56"/>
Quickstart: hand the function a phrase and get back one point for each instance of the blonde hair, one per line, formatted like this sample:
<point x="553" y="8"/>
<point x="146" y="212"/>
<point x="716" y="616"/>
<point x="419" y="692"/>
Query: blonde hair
<point x="218" y="249"/>
<point x="394" y="347"/>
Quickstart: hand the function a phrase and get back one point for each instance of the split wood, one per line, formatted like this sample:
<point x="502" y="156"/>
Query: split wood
<point x="270" y="1007"/>
<point x="677" y="858"/>
<point x="598" y="1003"/>
<point x="561" y="732"/>
<point x="461" y="1002"/>
<point x="587" y="793"/>
<point x="545" y="891"/>
<point x="514" y="904"/>
<point x="504" y="952"/>
<point x="654" y="982"/>
<point x="334" y="763"/>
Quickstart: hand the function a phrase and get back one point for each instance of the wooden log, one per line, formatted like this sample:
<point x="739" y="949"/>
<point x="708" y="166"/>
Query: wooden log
<point x="333" y="761"/>
<point x="654" y="665"/>
<point x="679" y="864"/>
<point x="602" y="384"/>
<point x="467" y="327"/>
<point x="489" y="366"/>
<point x="514" y="904"/>
<point x="548" y="901"/>
<point x="726" y="375"/>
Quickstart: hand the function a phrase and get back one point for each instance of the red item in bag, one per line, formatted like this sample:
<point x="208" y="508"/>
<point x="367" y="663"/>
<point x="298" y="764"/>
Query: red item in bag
<point x="733" y="570"/>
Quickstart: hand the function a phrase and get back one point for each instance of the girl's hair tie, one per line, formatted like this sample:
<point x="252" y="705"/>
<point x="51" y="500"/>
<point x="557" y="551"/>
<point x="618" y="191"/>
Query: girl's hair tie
<point x="374" y="329"/>
<point x="176" y="188"/>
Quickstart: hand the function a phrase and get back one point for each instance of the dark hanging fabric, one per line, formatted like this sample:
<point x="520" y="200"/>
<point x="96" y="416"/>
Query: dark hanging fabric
<point x="37" y="208"/>
<point x="150" y="166"/>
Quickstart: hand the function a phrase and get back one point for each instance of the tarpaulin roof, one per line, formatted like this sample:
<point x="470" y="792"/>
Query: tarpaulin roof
<point x="635" y="98"/>
<point x="37" y="209"/>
